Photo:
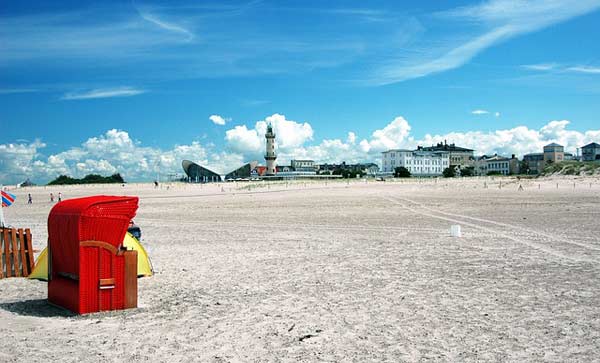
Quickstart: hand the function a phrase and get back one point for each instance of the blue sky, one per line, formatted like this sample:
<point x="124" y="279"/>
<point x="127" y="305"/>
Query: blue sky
<point x="131" y="86"/>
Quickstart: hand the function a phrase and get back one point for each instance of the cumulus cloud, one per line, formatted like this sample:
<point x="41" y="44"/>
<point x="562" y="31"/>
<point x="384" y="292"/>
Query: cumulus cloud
<point x="240" y="138"/>
<point x="480" y="112"/>
<point x="290" y="135"/>
<point x="396" y="135"/>
<point x="351" y="139"/>
<point x="392" y="136"/>
<point x="115" y="151"/>
<point x="217" y="120"/>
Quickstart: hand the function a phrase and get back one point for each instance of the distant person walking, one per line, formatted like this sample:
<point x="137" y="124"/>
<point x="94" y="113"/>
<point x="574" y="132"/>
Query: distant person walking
<point x="59" y="196"/>
<point x="29" y="200"/>
<point x="51" y="197"/>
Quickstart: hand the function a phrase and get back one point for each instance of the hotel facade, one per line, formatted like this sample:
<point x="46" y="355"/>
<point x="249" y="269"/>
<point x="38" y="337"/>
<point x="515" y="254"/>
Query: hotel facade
<point x="418" y="162"/>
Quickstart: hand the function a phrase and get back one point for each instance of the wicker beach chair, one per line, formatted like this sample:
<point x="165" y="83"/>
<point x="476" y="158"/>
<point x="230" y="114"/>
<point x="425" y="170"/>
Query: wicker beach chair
<point x="89" y="271"/>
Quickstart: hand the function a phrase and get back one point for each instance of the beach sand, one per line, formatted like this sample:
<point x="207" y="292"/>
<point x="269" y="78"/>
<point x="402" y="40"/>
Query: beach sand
<point x="337" y="271"/>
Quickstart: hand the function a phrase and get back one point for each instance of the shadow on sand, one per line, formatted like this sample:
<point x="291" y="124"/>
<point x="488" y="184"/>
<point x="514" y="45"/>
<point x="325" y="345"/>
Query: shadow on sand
<point x="40" y="308"/>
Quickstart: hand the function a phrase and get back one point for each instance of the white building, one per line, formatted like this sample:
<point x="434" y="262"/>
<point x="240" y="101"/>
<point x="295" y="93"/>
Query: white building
<point x="303" y="165"/>
<point x="418" y="162"/>
<point x="496" y="165"/>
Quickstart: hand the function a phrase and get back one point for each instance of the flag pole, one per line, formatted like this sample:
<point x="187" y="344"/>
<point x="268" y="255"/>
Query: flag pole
<point x="1" y="209"/>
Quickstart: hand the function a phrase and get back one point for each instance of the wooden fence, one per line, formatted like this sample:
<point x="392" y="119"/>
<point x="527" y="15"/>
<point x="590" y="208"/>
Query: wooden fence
<point x="16" y="253"/>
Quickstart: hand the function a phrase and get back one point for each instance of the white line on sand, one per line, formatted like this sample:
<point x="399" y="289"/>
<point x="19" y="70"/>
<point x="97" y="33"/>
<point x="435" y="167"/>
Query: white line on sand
<point x="534" y="245"/>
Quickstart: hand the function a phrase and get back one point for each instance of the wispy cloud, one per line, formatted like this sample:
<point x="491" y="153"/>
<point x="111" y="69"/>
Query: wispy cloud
<point x="103" y="93"/>
<point x="480" y="112"/>
<point x="499" y="20"/>
<point x="252" y="103"/>
<point x="540" y="67"/>
<point x="548" y="67"/>
<point x="166" y="25"/>
<point x="8" y="91"/>
<point x="584" y="69"/>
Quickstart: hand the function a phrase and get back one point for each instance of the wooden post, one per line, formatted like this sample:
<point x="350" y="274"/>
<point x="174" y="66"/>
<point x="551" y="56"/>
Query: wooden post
<point x="1" y="253"/>
<point x="15" y="253"/>
<point x="7" y="256"/>
<point x="22" y="249"/>
<point x="30" y="255"/>
<point x="130" y="280"/>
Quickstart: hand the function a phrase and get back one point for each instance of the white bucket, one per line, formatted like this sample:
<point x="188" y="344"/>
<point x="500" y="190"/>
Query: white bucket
<point x="455" y="230"/>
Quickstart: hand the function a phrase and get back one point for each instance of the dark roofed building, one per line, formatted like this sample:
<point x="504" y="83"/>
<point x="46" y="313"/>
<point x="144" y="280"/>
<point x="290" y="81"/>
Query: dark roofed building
<point x="244" y="171"/>
<point x="535" y="163"/>
<point x="199" y="174"/>
<point x="458" y="156"/>
<point x="590" y="152"/>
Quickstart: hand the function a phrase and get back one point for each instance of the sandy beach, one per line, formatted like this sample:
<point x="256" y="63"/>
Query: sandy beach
<point x="338" y="271"/>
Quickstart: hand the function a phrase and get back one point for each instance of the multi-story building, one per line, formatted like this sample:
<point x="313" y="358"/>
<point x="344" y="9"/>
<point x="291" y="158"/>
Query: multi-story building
<point x="418" y="162"/>
<point x="554" y="153"/>
<point x="303" y="165"/>
<point x="534" y="162"/>
<point x="458" y="156"/>
<point x="590" y="152"/>
<point x="497" y="165"/>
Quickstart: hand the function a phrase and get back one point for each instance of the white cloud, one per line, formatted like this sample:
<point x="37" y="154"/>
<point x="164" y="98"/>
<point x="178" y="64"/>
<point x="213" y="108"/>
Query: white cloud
<point x="392" y="136"/>
<point x="499" y="20"/>
<point x="290" y="135"/>
<point x="540" y="67"/>
<point x="351" y="139"/>
<point x="115" y="151"/>
<point x="112" y="152"/>
<point x="556" y="67"/>
<point x="480" y="112"/>
<point x="497" y="114"/>
<point x="166" y="26"/>
<point x="584" y="69"/>
<point x="16" y="160"/>
<point x="103" y="93"/>
<point x="243" y="140"/>
<point x="217" y="120"/>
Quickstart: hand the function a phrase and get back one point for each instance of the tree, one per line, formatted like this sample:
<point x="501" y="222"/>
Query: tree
<point x="523" y="167"/>
<point x="88" y="179"/>
<point x="467" y="171"/>
<point x="117" y="178"/>
<point x="401" y="172"/>
<point x="449" y="172"/>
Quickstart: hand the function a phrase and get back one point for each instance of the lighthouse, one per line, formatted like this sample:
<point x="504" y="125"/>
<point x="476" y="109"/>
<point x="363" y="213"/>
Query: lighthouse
<point x="270" y="154"/>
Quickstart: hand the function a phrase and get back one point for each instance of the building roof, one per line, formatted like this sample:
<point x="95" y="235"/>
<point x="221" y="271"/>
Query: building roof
<point x="553" y="145"/>
<point x="592" y="145"/>
<point x="444" y="147"/>
<point x="403" y="150"/>
<point x="534" y="157"/>
<point x="497" y="158"/>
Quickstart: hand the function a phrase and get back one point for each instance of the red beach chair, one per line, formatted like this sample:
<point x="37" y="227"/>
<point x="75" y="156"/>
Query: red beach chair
<point x="88" y="269"/>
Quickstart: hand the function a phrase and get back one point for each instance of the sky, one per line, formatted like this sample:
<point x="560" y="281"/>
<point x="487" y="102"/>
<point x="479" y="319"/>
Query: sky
<point x="135" y="87"/>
